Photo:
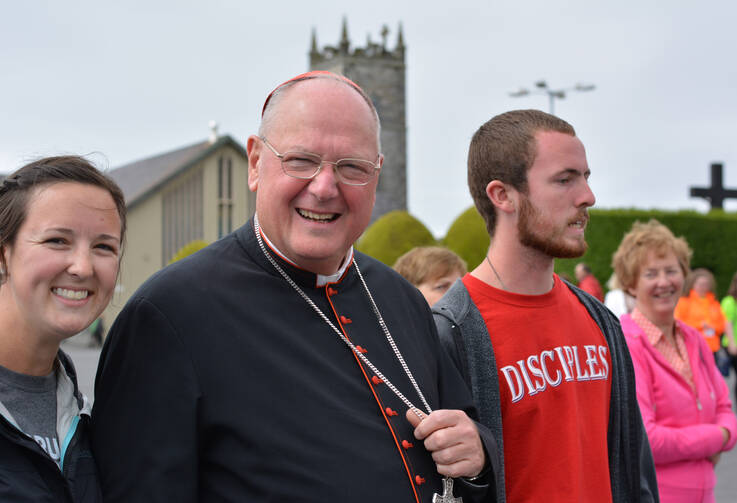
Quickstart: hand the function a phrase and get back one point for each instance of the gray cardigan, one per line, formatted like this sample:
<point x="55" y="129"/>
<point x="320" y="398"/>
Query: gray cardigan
<point x="464" y="335"/>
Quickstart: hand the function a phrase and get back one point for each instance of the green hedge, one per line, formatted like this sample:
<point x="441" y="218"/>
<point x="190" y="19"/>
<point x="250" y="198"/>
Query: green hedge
<point x="467" y="236"/>
<point x="712" y="236"/>
<point x="393" y="235"/>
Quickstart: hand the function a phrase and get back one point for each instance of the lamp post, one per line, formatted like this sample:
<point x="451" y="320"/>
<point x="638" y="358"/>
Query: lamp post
<point x="541" y="87"/>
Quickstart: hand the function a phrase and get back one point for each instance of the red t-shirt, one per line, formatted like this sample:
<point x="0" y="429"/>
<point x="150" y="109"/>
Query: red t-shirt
<point x="554" y="380"/>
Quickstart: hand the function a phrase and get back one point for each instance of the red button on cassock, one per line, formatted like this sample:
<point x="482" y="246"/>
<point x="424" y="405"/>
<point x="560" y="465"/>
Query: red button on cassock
<point x="391" y="412"/>
<point x="345" y="320"/>
<point x="361" y="349"/>
<point x="332" y="291"/>
<point x="419" y="480"/>
<point x="407" y="445"/>
<point x="376" y="380"/>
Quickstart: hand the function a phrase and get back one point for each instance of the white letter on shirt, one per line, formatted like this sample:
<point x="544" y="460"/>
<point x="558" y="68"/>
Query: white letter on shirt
<point x="566" y="365"/>
<point x="558" y="377"/>
<point x="602" y="354"/>
<point x="592" y="362"/>
<point x="540" y="383"/>
<point x="580" y="376"/>
<point x="515" y="388"/>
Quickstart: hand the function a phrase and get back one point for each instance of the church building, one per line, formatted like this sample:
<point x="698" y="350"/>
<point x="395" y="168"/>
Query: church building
<point x="380" y="71"/>
<point x="195" y="193"/>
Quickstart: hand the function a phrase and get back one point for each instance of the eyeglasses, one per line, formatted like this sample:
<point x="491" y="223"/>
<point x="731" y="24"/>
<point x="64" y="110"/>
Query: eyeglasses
<point x="305" y="165"/>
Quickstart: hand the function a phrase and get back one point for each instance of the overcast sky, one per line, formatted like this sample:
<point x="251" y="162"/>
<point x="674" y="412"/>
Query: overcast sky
<point x="132" y="79"/>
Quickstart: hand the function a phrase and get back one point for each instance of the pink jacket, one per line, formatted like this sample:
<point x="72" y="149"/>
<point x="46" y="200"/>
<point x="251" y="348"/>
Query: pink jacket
<point x="682" y="426"/>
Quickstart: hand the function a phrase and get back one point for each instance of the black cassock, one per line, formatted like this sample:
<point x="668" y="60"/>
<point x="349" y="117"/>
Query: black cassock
<point x="219" y="383"/>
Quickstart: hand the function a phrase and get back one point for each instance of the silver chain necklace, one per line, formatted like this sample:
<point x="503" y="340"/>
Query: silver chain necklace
<point x="496" y="273"/>
<point x="447" y="496"/>
<point x="345" y="339"/>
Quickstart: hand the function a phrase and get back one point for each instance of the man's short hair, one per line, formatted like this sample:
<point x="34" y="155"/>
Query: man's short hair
<point x="428" y="263"/>
<point x="503" y="149"/>
<point x="268" y="111"/>
<point x="641" y="240"/>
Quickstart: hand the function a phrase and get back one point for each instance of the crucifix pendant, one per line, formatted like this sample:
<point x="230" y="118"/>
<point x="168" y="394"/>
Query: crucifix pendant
<point x="447" y="496"/>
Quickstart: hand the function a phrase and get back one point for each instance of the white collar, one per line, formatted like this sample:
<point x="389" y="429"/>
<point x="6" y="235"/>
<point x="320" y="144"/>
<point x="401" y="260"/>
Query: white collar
<point x="321" y="280"/>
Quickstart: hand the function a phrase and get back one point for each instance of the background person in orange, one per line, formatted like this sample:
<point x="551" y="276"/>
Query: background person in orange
<point x="701" y="310"/>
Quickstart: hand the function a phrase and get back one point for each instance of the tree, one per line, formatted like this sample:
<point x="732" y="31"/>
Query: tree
<point x="393" y="235"/>
<point x="467" y="236"/>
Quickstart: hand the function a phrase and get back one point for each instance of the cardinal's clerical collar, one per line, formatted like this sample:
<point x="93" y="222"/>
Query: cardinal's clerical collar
<point x="321" y="280"/>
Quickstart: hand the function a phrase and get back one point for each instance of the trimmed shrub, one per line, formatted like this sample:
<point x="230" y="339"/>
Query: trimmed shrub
<point x="468" y="238"/>
<point x="393" y="235"/>
<point x="188" y="249"/>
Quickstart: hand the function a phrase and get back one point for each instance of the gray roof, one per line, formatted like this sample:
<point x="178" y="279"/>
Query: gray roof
<point x="140" y="178"/>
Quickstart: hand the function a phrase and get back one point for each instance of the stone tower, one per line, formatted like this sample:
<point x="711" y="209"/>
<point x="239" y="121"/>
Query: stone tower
<point x="380" y="72"/>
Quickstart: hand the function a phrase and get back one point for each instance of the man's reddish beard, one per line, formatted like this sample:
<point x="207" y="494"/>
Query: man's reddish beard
<point x="537" y="233"/>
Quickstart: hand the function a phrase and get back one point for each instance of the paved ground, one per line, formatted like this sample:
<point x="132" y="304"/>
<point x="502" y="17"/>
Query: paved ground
<point x="85" y="361"/>
<point x="85" y="358"/>
<point x="726" y="491"/>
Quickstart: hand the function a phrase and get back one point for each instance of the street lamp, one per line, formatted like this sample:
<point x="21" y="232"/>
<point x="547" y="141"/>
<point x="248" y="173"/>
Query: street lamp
<point x="541" y="87"/>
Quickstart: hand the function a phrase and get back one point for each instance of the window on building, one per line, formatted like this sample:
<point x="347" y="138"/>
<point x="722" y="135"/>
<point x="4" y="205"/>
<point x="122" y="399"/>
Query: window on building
<point x="225" y="196"/>
<point x="182" y="215"/>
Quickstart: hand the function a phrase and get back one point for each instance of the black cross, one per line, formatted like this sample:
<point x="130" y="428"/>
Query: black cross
<point x="716" y="194"/>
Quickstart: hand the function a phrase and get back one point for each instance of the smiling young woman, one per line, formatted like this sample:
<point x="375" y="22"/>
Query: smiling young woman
<point x="62" y="225"/>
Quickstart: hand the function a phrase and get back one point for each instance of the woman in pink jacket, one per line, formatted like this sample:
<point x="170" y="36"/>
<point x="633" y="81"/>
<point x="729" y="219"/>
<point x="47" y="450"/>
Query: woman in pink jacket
<point x="683" y="398"/>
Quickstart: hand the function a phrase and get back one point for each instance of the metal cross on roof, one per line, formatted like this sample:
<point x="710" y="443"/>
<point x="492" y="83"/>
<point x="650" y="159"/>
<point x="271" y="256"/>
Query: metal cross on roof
<point x="716" y="194"/>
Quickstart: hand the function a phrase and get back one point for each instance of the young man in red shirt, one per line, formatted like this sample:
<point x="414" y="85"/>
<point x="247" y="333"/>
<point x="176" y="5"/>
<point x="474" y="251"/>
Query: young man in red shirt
<point x="546" y="363"/>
